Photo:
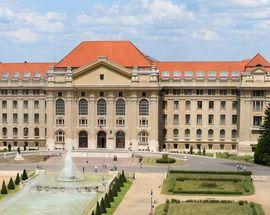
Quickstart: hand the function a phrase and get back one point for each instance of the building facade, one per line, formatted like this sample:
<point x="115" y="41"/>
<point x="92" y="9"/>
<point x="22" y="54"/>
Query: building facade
<point x="109" y="95"/>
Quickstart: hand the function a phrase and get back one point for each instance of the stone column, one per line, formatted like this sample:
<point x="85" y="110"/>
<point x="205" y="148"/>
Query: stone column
<point x="153" y="117"/>
<point x="132" y="118"/>
<point x="50" y="141"/>
<point x="69" y="119"/>
<point x="92" y="120"/>
<point x="110" y="121"/>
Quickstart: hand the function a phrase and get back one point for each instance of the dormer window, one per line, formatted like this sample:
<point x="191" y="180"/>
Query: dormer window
<point x="224" y="74"/>
<point x="259" y="65"/>
<point x="26" y="75"/>
<point x="176" y="74"/>
<point x="235" y="74"/>
<point x="188" y="74"/>
<point x="5" y="76"/>
<point x="165" y="74"/>
<point x="212" y="74"/>
<point x="16" y="76"/>
<point x="37" y="75"/>
<point x="200" y="74"/>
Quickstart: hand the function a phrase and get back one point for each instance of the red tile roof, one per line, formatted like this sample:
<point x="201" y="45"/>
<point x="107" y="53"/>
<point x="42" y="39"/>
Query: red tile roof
<point x="21" y="68"/>
<point x="258" y="60"/>
<point x="121" y="52"/>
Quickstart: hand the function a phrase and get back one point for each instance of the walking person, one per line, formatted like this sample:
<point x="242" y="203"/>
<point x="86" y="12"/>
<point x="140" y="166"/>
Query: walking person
<point x="95" y="169"/>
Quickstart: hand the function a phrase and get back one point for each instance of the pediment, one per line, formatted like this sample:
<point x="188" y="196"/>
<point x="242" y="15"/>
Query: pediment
<point x="113" y="74"/>
<point x="258" y="71"/>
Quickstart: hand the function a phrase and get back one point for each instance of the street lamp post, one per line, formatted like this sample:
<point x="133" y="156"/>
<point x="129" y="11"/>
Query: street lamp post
<point x="151" y="195"/>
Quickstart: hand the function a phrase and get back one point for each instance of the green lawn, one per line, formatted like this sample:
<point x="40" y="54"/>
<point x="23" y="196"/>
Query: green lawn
<point x="208" y="209"/>
<point x="151" y="161"/>
<point x="10" y="193"/>
<point x="184" y="183"/>
<point x="243" y="158"/>
<point x="118" y="198"/>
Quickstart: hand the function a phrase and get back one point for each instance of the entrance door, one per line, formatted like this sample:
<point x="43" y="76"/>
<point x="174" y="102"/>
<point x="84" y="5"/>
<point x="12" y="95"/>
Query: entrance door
<point x="83" y="139"/>
<point x="101" y="139"/>
<point x="120" y="139"/>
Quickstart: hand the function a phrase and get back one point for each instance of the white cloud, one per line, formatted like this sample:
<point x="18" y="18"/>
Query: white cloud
<point x="22" y="36"/>
<point x="205" y="34"/>
<point x="250" y="3"/>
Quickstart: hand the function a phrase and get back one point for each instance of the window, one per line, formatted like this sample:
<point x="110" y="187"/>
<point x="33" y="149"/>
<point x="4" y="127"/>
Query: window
<point x="234" y="134"/>
<point x="83" y="107"/>
<point x="211" y="119"/>
<point x="234" y="105"/>
<point x="199" y="92"/>
<point x="258" y="93"/>
<point x="36" y="132"/>
<point x="257" y="121"/>
<point x="222" y="119"/>
<point x="223" y="105"/>
<point x="212" y="74"/>
<point x="176" y="92"/>
<point x="187" y="134"/>
<point x="36" y="104"/>
<point x="188" y="92"/>
<point x="143" y="122"/>
<point x="222" y="134"/>
<point x="234" y="119"/>
<point x="15" y="104"/>
<point x="187" y="105"/>
<point x="211" y="92"/>
<point x="120" y="94"/>
<point x="223" y="74"/>
<point x="15" y="132"/>
<point x="5" y="76"/>
<point x="37" y="75"/>
<point x="235" y="74"/>
<point x="102" y="122"/>
<point x="164" y="132"/>
<point x="223" y="92"/>
<point x="199" y="119"/>
<point x="198" y="133"/>
<point x="120" y="139"/>
<point x="233" y="146"/>
<point x="4" y="92"/>
<point x="36" y="118"/>
<point x="165" y="121"/>
<point x="60" y="121"/>
<point x="120" y="107"/>
<point x="101" y="76"/>
<point x="176" y="105"/>
<point x="164" y="105"/>
<point x="4" y="118"/>
<point x="186" y="146"/>
<point x="60" y="137"/>
<point x="210" y="146"/>
<point x="25" y="118"/>
<point x="175" y="133"/>
<point x="165" y="74"/>
<point x="26" y="75"/>
<point x="143" y="107"/>
<point x="188" y="74"/>
<point x="143" y="94"/>
<point x="101" y="107"/>
<point x="210" y="134"/>
<point x="25" y="92"/>
<point x="175" y="119"/>
<point x="16" y="76"/>
<point x="4" y="132"/>
<point x="200" y="74"/>
<point x="101" y="94"/>
<point x="234" y="92"/>
<point x="143" y="137"/>
<point x="211" y="104"/>
<point x="82" y="121"/>
<point x="120" y="122"/>
<point x="36" y="92"/>
<point x="257" y="105"/>
<point x="60" y="94"/>
<point x="176" y="74"/>
<point x="221" y="146"/>
<point x="198" y="146"/>
<point x="25" y="104"/>
<point x="199" y="104"/>
<point x="82" y="94"/>
<point x="15" y="118"/>
<point x="60" y="107"/>
<point x="175" y="146"/>
<point x="187" y="119"/>
<point x="14" y="92"/>
<point x="4" y="104"/>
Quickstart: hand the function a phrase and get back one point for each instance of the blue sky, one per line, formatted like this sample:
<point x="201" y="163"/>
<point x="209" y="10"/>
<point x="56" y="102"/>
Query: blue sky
<point x="185" y="30"/>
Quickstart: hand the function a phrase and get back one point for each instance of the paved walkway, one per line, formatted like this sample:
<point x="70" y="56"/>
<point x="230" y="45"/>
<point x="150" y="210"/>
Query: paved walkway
<point x="137" y="199"/>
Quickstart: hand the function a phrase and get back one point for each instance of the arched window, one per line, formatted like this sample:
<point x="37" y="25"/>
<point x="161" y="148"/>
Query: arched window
<point x="187" y="134"/>
<point x="210" y="134"/>
<point x="25" y="132"/>
<point x="144" y="107"/>
<point x="60" y="107"/>
<point x="199" y="134"/>
<point x="101" y="107"/>
<point x="60" y="136"/>
<point x="120" y="139"/>
<point x="234" y="134"/>
<point x="143" y="137"/>
<point x="4" y="131"/>
<point x="36" y="132"/>
<point x="15" y="132"/>
<point x="222" y="134"/>
<point x="120" y="107"/>
<point x="175" y="133"/>
<point x="83" y="107"/>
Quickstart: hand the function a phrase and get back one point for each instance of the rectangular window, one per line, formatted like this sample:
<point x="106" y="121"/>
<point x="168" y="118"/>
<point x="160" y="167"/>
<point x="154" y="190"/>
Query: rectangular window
<point x="258" y="93"/>
<point x="211" y="119"/>
<point x="257" y="120"/>
<point x="223" y="92"/>
<point x="176" y="105"/>
<point x="25" y="118"/>
<point x="102" y="122"/>
<point x="211" y="92"/>
<point x="120" y="122"/>
<point x="210" y="146"/>
<point x="222" y="146"/>
<point x="15" y="118"/>
<point x="199" y="92"/>
<point x="234" y="105"/>
<point x="165" y="119"/>
<point x="25" y="92"/>
<point x="187" y="105"/>
<point x="14" y="92"/>
<point x="223" y="105"/>
<point x="187" y="119"/>
<point x="211" y="105"/>
<point x="257" y="105"/>
<point x="188" y="92"/>
<point x="4" y="104"/>
<point x="234" y="119"/>
<point x="36" y="118"/>
<point x="222" y="119"/>
<point x="36" y="104"/>
<point x="4" y="118"/>
<point x="25" y="104"/>
<point x="164" y="105"/>
<point x="15" y="104"/>
<point x="176" y="92"/>
<point x="143" y="122"/>
<point x="186" y="146"/>
<point x="176" y="119"/>
<point x="199" y="104"/>
<point x="234" y="92"/>
<point x="199" y="119"/>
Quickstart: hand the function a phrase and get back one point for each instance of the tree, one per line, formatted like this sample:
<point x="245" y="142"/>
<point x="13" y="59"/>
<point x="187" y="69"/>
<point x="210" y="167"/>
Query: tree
<point x="17" y="180"/>
<point x="262" y="152"/>
<point x="204" y="151"/>
<point x="24" y="175"/>
<point x="191" y="150"/>
<point x="4" y="188"/>
<point x="123" y="176"/>
<point x="98" y="212"/>
<point x="102" y="206"/>
<point x="11" y="184"/>
<point x="9" y="147"/>
<point x="107" y="201"/>
<point x="110" y="195"/>
<point x="93" y="213"/>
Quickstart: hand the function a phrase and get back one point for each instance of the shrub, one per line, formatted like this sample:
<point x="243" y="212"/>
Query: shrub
<point x="165" y="159"/>
<point x="93" y="213"/>
<point x="11" y="185"/>
<point x="107" y="201"/>
<point x="204" y="151"/>
<point x="17" y="180"/>
<point x="245" y="173"/>
<point x="9" y="147"/>
<point x="110" y="195"/>
<point x="4" y="188"/>
<point x="208" y="192"/>
<point x="102" y="206"/>
<point x="24" y="175"/>
<point x="191" y="150"/>
<point x="98" y="211"/>
<point x="123" y="176"/>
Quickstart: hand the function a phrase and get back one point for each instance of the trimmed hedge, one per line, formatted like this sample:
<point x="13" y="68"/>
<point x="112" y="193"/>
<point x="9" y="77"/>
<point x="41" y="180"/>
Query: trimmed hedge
<point x="235" y="180"/>
<point x="165" y="159"/>
<point x="207" y="192"/>
<point x="246" y="173"/>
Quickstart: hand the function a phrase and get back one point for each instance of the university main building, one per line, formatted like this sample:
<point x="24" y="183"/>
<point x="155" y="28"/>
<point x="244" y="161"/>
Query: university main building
<point x="110" y="95"/>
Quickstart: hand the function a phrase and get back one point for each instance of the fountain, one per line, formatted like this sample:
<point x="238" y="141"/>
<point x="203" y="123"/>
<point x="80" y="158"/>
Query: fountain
<point x="18" y="156"/>
<point x="70" y="172"/>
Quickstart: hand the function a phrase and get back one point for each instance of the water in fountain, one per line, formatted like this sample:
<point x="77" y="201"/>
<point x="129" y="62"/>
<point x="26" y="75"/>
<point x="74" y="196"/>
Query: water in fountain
<point x="70" y="171"/>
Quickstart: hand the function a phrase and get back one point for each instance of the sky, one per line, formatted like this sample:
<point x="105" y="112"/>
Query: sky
<point x="168" y="30"/>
